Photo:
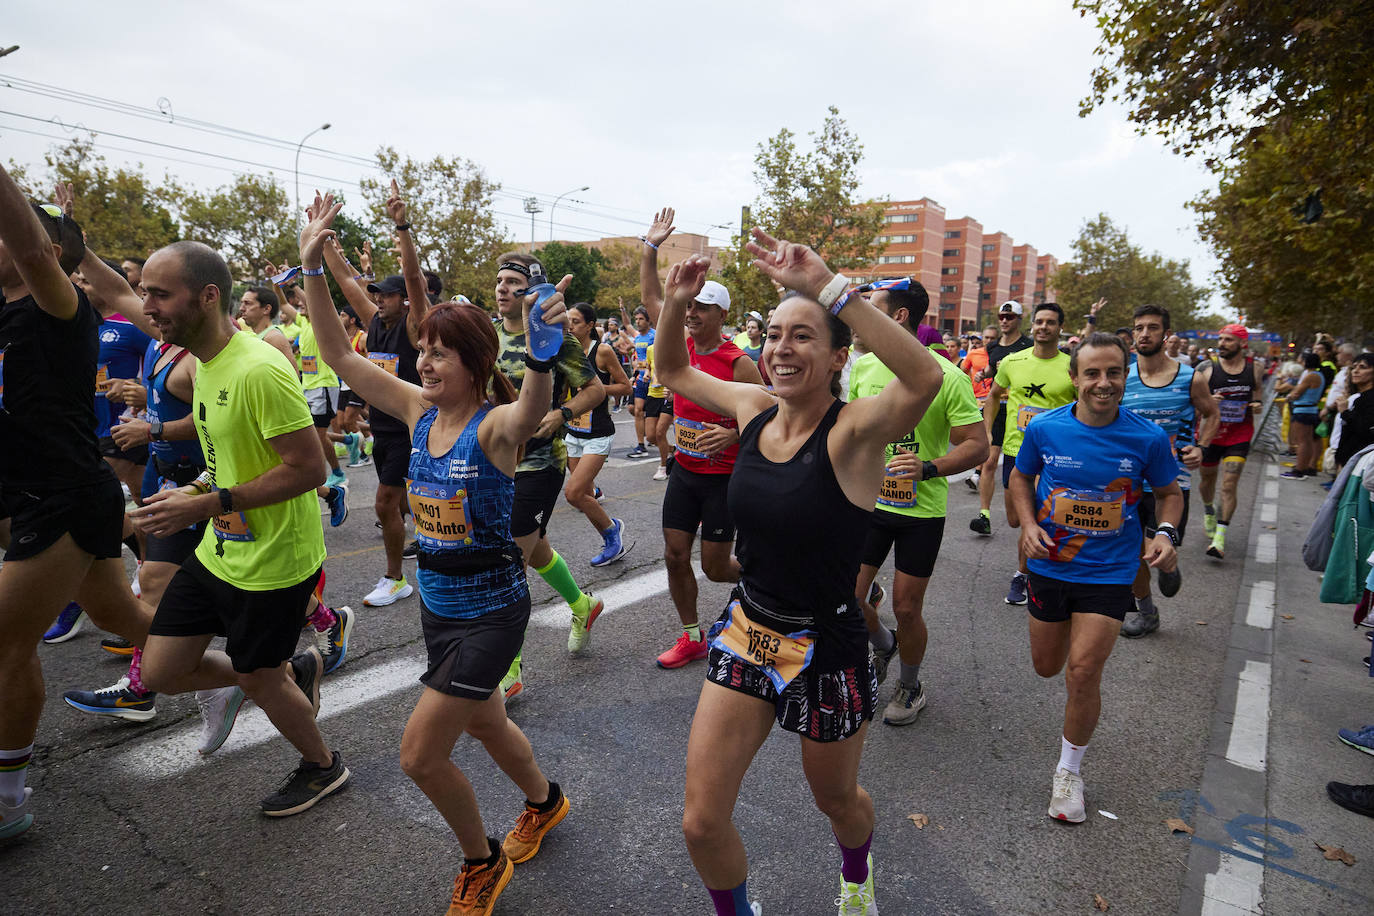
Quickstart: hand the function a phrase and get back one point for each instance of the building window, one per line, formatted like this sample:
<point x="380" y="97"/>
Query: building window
<point x="1016" y="287"/>
<point x="986" y="296"/>
<point x="896" y="239"/>
<point x="1040" y="268"/>
<point x="989" y="247"/>
<point x="987" y="263"/>
<point x="953" y="234"/>
<point x="1016" y="273"/>
<point x="897" y="259"/>
<point x="949" y="271"/>
<point x="949" y="289"/>
<point x="1018" y="258"/>
<point x="902" y="217"/>
<point x="952" y="252"/>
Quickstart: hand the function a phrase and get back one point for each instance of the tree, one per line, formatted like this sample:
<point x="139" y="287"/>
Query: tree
<point x="248" y="221"/>
<point x="811" y="198"/>
<point x="619" y="280"/>
<point x="449" y="202"/>
<point x="1107" y="265"/>
<point x="585" y="264"/>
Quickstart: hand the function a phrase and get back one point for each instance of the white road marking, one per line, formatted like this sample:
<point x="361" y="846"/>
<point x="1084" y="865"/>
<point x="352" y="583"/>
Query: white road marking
<point x="1269" y="512"/>
<point x="1249" y="741"/>
<point x="1266" y="548"/>
<point x="1271" y="489"/>
<point x="645" y="585"/>
<point x="1234" y="889"/>
<point x="1273" y="470"/>
<point x="1261" y="611"/>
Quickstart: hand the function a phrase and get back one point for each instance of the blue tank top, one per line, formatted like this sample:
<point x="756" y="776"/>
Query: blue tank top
<point x="1307" y="401"/>
<point x="121" y="346"/>
<point x="1169" y="406"/>
<point x="462" y="504"/>
<point x="165" y="406"/>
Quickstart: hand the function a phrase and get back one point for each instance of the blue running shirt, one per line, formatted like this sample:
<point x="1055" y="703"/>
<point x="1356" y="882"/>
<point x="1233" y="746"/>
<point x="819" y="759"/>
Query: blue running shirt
<point x="1088" y="495"/>
<point x="122" y="346"/>
<point x="1170" y="407"/>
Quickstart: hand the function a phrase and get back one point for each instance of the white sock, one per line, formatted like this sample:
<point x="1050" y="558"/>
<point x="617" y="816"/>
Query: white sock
<point x="1071" y="755"/>
<point x="13" y="767"/>
<point x="881" y="639"/>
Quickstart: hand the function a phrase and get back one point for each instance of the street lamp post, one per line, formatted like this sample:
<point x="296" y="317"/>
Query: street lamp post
<point x="585" y="187"/>
<point x="324" y="126"/>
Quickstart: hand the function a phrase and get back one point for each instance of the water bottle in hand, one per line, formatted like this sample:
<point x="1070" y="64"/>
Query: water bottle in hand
<point x="545" y="339"/>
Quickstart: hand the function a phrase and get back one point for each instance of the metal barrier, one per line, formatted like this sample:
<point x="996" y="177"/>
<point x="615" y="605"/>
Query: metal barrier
<point x="1269" y="430"/>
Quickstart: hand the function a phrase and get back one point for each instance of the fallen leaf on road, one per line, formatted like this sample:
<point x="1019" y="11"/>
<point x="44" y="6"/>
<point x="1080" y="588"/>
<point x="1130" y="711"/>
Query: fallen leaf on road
<point x="1305" y="661"/>
<point x="1176" y="825"/>
<point x="920" y="820"/>
<point x="1100" y="903"/>
<point x="1286" y="616"/>
<point x="1201" y="623"/>
<point x="1336" y="854"/>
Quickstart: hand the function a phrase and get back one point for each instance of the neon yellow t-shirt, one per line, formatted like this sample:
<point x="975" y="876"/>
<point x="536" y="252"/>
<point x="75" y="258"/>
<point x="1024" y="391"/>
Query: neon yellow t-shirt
<point x="243" y="397"/>
<point x="1033" y="385"/>
<point x="315" y="372"/>
<point x="655" y="389"/>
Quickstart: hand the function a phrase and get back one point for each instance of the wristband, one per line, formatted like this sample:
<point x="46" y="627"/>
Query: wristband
<point x="317" y="272"/>
<point x="203" y="482"/>
<point x="1168" y="530"/>
<point x="838" y="284"/>
<point x="539" y="365"/>
<point x="929" y="470"/>
<point x="649" y="243"/>
<point x="840" y="303"/>
<point x="1092" y="319"/>
<point x="226" y="500"/>
<point x="403" y="227"/>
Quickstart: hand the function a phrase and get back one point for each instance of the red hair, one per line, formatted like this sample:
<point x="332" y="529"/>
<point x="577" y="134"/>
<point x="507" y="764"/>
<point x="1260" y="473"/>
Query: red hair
<point x="466" y="329"/>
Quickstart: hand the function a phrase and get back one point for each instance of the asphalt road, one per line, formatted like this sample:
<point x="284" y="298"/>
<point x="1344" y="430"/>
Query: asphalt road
<point x="130" y="820"/>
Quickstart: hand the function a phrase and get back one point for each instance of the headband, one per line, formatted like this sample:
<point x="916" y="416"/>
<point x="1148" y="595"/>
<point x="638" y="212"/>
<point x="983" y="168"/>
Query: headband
<point x="515" y="266"/>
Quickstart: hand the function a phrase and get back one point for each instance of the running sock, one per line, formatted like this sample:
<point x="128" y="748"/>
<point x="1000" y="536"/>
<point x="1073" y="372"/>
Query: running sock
<point x="1071" y="755"/>
<point x="910" y="676"/>
<point x="136" y="673"/>
<point x="555" y="796"/>
<point x="693" y="632"/>
<point x="131" y="542"/>
<point x="1146" y="605"/>
<point x="1209" y="509"/>
<point x="322" y="618"/>
<point x="854" y="862"/>
<point x="560" y="579"/>
<point x="882" y="640"/>
<point x="489" y="860"/>
<point x="986" y="513"/>
<point x="13" y="765"/>
<point x="734" y="902"/>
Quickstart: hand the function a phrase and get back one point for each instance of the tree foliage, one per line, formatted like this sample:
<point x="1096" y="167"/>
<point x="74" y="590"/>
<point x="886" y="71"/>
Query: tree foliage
<point x="248" y="221"/>
<point x="1107" y="265"/>
<point x="618" y="282"/>
<point x="584" y="263"/>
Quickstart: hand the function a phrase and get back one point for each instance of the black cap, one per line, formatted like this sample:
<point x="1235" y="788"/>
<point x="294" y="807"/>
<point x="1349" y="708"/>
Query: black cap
<point x="392" y="284"/>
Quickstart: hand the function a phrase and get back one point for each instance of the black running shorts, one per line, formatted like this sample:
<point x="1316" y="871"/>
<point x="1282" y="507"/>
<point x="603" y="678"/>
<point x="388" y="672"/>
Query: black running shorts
<point x="137" y="455"/>
<point x="999" y="426"/>
<point x="175" y="548"/>
<point x="653" y="407"/>
<point x="822" y="706"/>
<point x="262" y="627"/>
<point x="1213" y="455"/>
<point x="917" y="541"/>
<point x="694" y="499"/>
<point x="1055" y="601"/>
<point x="391" y="458"/>
<point x="1151" y="524"/>
<point x="468" y="658"/>
<point x="536" y="495"/>
<point x="93" y="514"/>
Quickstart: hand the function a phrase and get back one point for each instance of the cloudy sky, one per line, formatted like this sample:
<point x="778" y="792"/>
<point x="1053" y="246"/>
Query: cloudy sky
<point x="972" y="103"/>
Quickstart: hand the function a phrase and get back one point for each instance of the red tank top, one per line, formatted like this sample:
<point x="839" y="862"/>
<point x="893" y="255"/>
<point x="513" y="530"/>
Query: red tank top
<point x="688" y="418"/>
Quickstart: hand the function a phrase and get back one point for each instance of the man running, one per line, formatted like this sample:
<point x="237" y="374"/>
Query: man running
<point x="643" y="340"/>
<point x="1032" y="381"/>
<point x="1082" y="535"/>
<point x="707" y="444"/>
<point x="1169" y="393"/>
<point x="1010" y="340"/>
<point x="910" y="514"/>
<point x="1235" y="387"/>
<point x="258" y="308"/>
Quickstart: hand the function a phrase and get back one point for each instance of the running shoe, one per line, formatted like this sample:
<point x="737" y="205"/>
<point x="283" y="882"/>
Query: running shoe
<point x="15" y="820"/>
<point x="981" y="524"/>
<point x="614" y="548"/>
<point x="1218" y="546"/>
<point x="661" y="473"/>
<point x="1359" y="799"/>
<point x="857" y="899"/>
<point x="306" y="785"/>
<point x="582" y="628"/>
<point x="411" y="551"/>
<point x="1016" y="594"/>
<point x="1139" y="623"/>
<point x="639" y="451"/>
<point x="972" y="482"/>
<point x="388" y="591"/>
<point x="117" y="701"/>
<point x="67" y="624"/>
<point x="598" y="495"/>
<point x="523" y="842"/>
<point x="117" y="645"/>
<point x="218" y="710"/>
<point x="1066" y="801"/>
<point x="341" y="451"/>
<point x="477" y="886"/>
<point x="307" y="668"/>
<point x="333" y="642"/>
<point x="906" y="704"/>
<point x="336" y="478"/>
<point x="511" y="685"/>
<point x="1209" y="523"/>
<point x="1360" y="739"/>
<point x="881" y="660"/>
<point x="876" y="594"/>
<point x="685" y="650"/>
<point x="353" y="449"/>
<point x="337" y="500"/>
<point x="1292" y="474"/>
<point x="1170" y="582"/>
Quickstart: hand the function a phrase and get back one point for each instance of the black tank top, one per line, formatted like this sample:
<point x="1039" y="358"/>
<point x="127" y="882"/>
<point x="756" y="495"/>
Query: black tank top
<point x="799" y="542"/>
<point x="602" y="425"/>
<point x="394" y="340"/>
<point x="1237" y="425"/>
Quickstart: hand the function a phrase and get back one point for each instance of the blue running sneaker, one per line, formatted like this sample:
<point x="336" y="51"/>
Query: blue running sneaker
<point x="337" y="500"/>
<point x="333" y="642"/>
<point x="117" y="700"/>
<point x="336" y="478"/>
<point x="1017" y="593"/>
<point x="615" y="547"/>
<point x="1360" y="739"/>
<point x="67" y="624"/>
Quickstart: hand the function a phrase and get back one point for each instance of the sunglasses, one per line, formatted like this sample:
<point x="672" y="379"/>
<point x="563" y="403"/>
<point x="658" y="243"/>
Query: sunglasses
<point x="1008" y="317"/>
<point x="900" y="283"/>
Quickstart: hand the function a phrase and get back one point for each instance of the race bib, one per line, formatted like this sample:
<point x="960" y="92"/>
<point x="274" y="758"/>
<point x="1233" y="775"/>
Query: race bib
<point x="897" y="492"/>
<point x="391" y="362"/>
<point x="781" y="657"/>
<point x="1089" y="512"/>
<point x="233" y="527"/>
<point x="581" y="423"/>
<point x="685" y="434"/>
<point x="102" y="378"/>
<point x="441" y="514"/>
<point x="1025" y="413"/>
<point x="1234" y="411"/>
<point x="310" y="365"/>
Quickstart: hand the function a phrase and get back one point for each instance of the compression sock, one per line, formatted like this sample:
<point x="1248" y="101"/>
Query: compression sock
<point x="560" y="579"/>
<point x="734" y="902"/>
<point x="1220" y="537"/>
<point x="131" y="542"/>
<point x="986" y="513"/>
<point x="136" y="673"/>
<point x="854" y="862"/>
<point x="910" y="676"/>
<point x="322" y="618"/>
<point x="13" y="766"/>
<point x="693" y="631"/>
<point x="1071" y="755"/>
<point x="882" y="640"/>
<point x="1146" y="605"/>
<point x="548" y="804"/>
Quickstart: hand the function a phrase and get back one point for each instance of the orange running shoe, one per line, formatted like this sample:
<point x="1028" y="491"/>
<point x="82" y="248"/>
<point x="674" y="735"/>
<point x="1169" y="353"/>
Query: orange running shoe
<point x="476" y="888"/>
<point x="523" y="842"/>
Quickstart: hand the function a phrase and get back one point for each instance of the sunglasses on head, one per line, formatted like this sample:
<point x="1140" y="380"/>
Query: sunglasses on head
<point x="900" y="283"/>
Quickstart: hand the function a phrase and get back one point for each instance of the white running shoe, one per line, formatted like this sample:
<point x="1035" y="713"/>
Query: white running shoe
<point x="388" y="591"/>
<point x="218" y="708"/>
<point x="661" y="473"/>
<point x="1066" y="802"/>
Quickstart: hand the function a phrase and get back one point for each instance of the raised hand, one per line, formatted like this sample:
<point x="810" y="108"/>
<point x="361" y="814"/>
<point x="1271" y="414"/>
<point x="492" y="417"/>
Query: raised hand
<point x="318" y="230"/>
<point x="65" y="197"/>
<point x="395" y="206"/>
<point x="1096" y="307"/>
<point x="789" y="264"/>
<point x="662" y="227"/>
<point x="365" y="257"/>
<point x="685" y="280"/>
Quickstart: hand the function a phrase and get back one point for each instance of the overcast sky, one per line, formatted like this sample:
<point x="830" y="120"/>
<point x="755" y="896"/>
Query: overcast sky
<point x="971" y="103"/>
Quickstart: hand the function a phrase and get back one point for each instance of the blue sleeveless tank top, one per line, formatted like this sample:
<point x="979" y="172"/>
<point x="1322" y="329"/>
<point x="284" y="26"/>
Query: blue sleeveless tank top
<point x="461" y="504"/>
<point x="1308" y="401"/>
<point x="1169" y="406"/>
<point x="165" y="406"/>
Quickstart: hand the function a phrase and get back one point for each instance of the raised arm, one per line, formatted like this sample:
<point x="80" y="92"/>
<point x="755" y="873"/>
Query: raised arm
<point x="650" y="290"/>
<point x="416" y="290"/>
<point x="353" y="291"/>
<point x="35" y="256"/>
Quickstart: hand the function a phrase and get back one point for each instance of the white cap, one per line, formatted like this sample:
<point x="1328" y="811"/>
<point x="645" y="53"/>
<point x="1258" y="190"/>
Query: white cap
<point x="714" y="293"/>
<point x="1011" y="305"/>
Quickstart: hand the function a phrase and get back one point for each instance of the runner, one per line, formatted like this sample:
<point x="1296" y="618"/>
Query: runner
<point x="643" y="340"/>
<point x="590" y="436"/>
<point x="258" y="308"/>
<point x="1032" y="381"/>
<point x="1091" y="459"/>
<point x="475" y="602"/>
<point x="1234" y="385"/>
<point x="1170" y="394"/>
<point x="816" y="681"/>
<point x="910" y="513"/>
<point x="707" y="443"/>
<point x="658" y="416"/>
<point x="1010" y="340"/>
<point x="539" y="477"/>
<point x="252" y="575"/>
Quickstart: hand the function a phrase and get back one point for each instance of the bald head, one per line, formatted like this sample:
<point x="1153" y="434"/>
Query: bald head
<point x="197" y="265"/>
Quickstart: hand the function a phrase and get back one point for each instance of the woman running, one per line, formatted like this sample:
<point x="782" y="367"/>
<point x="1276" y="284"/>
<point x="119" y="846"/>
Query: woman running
<point x="791" y="644"/>
<point x="589" y="440"/>
<point x="467" y="428"/>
